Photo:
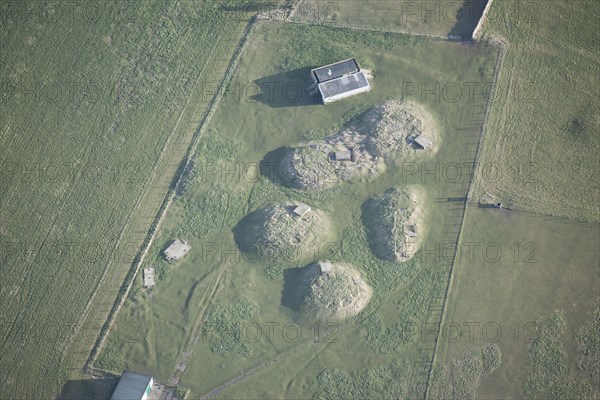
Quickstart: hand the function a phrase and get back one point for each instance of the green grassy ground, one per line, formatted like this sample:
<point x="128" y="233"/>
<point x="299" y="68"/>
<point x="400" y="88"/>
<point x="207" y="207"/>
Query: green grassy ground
<point x="523" y="268"/>
<point x="98" y="106"/>
<point x="153" y="334"/>
<point x="421" y="17"/>
<point x="541" y="145"/>
<point x="537" y="300"/>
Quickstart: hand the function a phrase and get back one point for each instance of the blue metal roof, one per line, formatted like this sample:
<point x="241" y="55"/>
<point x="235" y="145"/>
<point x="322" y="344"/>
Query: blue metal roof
<point x="131" y="386"/>
<point x="344" y="84"/>
<point x="336" y="70"/>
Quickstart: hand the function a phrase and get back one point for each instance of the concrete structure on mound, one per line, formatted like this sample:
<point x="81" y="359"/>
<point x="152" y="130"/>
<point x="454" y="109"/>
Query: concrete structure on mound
<point x="422" y="141"/>
<point x="325" y="267"/>
<point x="302" y="209"/>
<point x="176" y="250"/>
<point x="343" y="155"/>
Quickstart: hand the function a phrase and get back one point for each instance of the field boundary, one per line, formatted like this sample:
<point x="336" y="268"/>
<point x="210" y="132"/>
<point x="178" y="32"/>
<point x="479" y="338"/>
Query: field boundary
<point x="361" y="28"/>
<point x="499" y="62"/>
<point x="167" y="201"/>
<point x="477" y="32"/>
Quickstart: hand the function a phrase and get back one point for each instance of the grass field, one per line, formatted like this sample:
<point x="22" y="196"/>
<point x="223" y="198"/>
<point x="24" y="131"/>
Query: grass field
<point x="525" y="267"/>
<point x="187" y="320"/>
<point x="541" y="144"/>
<point x="421" y="17"/>
<point x="99" y="105"/>
<point x="538" y="299"/>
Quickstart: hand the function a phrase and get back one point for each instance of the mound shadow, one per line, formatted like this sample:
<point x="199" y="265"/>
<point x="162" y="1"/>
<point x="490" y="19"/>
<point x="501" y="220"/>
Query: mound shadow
<point x="244" y="234"/>
<point x="286" y="89"/>
<point x="467" y="17"/>
<point x="296" y="286"/>
<point x="368" y="210"/>
<point x="270" y="165"/>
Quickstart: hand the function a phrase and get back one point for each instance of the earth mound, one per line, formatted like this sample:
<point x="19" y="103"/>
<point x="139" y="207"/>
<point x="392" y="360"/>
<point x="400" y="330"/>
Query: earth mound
<point x="332" y="291"/>
<point x="285" y="231"/>
<point x="361" y="149"/>
<point x="394" y="224"/>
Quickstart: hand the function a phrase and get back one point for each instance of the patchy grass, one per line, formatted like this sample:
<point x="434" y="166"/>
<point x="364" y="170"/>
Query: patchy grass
<point x="546" y="355"/>
<point x="462" y="379"/>
<point x="99" y="103"/>
<point x="423" y="17"/>
<point x="521" y="259"/>
<point x="236" y="179"/>
<point x="541" y="140"/>
<point x="588" y="341"/>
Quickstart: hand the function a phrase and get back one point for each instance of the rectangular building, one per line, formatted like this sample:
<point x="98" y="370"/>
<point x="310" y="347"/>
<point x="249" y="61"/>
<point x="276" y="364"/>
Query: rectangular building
<point x="340" y="80"/>
<point x="133" y="386"/>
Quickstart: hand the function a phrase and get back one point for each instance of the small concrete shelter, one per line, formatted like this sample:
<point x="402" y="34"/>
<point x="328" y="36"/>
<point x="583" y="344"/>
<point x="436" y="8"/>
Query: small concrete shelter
<point x="302" y="209"/>
<point x="176" y="250"/>
<point x="149" y="279"/>
<point x="422" y="141"/>
<point x="325" y="267"/>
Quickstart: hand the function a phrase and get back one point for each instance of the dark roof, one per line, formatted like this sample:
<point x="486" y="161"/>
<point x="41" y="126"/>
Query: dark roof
<point x="343" y="85"/>
<point x="336" y="70"/>
<point x="131" y="386"/>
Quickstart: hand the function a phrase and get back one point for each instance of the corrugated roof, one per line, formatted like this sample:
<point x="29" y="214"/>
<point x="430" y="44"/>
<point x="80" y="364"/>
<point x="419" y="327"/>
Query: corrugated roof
<point x="336" y="70"/>
<point x="345" y="84"/>
<point x="131" y="386"/>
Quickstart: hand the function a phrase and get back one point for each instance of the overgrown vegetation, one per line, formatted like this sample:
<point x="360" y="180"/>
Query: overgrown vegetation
<point x="413" y="311"/>
<point x="397" y="381"/>
<point x="461" y="381"/>
<point x="334" y="295"/>
<point x="392" y="225"/>
<point x="546" y="355"/>
<point x="223" y="326"/>
<point x="588" y="341"/>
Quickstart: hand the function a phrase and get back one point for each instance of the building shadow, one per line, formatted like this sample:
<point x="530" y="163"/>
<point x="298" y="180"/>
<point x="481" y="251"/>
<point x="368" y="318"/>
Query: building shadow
<point x="286" y="89"/>
<point x="467" y="17"/>
<point x="89" y="389"/>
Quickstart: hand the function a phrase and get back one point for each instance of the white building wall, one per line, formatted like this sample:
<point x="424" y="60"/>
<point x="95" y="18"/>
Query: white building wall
<point x="340" y="96"/>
